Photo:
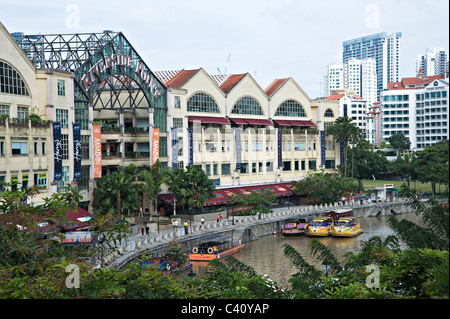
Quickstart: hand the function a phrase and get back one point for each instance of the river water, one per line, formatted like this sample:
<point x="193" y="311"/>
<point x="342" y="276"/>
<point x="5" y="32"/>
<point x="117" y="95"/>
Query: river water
<point x="266" y="255"/>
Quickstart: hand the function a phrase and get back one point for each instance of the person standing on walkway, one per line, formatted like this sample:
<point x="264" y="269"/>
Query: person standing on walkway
<point x="147" y="230"/>
<point x="218" y="218"/>
<point x="202" y="222"/>
<point x="221" y="216"/>
<point x="185" y="227"/>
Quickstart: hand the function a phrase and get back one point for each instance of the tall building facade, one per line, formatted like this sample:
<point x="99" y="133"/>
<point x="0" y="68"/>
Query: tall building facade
<point x="107" y="109"/>
<point x="433" y="62"/>
<point x="356" y="75"/>
<point x="417" y="107"/>
<point x="384" y="48"/>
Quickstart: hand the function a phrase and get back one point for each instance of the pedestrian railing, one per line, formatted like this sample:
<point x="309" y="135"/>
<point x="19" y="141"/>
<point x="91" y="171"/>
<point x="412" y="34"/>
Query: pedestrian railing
<point x="135" y="244"/>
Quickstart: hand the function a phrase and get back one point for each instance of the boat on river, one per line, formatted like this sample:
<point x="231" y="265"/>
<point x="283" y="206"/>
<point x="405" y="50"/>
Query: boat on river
<point x="346" y="227"/>
<point x="216" y="248"/>
<point x="339" y="213"/>
<point x="320" y="226"/>
<point x="295" y="229"/>
<point x="167" y="266"/>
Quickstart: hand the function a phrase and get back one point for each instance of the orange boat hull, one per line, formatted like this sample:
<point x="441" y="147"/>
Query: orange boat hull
<point x="208" y="257"/>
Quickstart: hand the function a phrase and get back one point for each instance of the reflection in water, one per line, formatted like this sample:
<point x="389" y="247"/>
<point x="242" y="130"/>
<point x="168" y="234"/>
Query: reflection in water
<point x="266" y="254"/>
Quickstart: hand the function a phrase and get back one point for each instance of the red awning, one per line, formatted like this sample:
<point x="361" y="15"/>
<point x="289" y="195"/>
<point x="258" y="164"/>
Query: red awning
<point x="222" y="196"/>
<point x="282" y="123"/>
<point x="266" y="122"/>
<point x="209" y="120"/>
<point x="79" y="219"/>
<point x="296" y="123"/>
<point x="168" y="198"/>
<point x="238" y="121"/>
<point x="253" y="122"/>
<point x="309" y="124"/>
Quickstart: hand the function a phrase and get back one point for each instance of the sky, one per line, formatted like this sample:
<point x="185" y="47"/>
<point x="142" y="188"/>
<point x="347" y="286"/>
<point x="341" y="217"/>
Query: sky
<point x="267" y="39"/>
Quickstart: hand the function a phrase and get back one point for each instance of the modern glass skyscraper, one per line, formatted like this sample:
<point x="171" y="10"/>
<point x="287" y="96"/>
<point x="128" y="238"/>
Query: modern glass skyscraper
<point x="384" y="48"/>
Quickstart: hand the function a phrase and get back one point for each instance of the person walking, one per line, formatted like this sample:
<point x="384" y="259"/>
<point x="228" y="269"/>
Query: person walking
<point x="202" y="221"/>
<point x="185" y="227"/>
<point x="218" y="218"/>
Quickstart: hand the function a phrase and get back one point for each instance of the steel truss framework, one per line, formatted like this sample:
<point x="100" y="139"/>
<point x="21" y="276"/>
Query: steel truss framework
<point x="101" y="77"/>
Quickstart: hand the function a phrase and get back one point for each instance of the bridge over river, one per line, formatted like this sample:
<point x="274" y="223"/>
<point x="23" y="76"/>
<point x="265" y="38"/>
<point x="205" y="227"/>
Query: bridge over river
<point x="245" y="228"/>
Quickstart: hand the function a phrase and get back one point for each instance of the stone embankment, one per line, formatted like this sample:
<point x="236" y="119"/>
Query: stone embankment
<point x="245" y="228"/>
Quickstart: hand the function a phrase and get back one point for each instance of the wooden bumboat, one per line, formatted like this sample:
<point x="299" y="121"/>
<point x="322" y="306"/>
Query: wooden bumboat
<point x="212" y="249"/>
<point x="295" y="229"/>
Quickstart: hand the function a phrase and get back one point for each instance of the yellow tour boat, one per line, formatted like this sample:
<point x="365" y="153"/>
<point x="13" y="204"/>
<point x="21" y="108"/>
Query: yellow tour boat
<point x="320" y="226"/>
<point x="346" y="227"/>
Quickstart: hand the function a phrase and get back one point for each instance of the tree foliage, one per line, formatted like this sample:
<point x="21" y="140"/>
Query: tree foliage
<point x="326" y="187"/>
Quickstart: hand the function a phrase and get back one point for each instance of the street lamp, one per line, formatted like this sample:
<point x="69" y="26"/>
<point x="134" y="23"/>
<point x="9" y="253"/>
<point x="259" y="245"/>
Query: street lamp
<point x="157" y="214"/>
<point x="326" y="267"/>
<point x="232" y="211"/>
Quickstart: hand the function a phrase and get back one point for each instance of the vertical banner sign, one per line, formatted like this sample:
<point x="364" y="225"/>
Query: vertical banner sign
<point x="174" y="147"/>
<point x="341" y="152"/>
<point x="76" y="151"/>
<point x="322" y="147"/>
<point x="191" y="146"/>
<point x="57" y="151"/>
<point x="280" y="148"/>
<point x="237" y="145"/>
<point x="97" y="141"/>
<point x="155" y="146"/>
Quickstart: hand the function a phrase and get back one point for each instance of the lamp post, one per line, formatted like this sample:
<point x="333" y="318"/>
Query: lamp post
<point x="157" y="214"/>
<point x="326" y="267"/>
<point x="232" y="211"/>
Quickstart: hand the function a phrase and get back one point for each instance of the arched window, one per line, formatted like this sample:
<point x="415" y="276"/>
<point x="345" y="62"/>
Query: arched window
<point x="10" y="80"/>
<point x="290" y="108"/>
<point x="329" y="113"/>
<point x="247" y="105"/>
<point x="202" y="102"/>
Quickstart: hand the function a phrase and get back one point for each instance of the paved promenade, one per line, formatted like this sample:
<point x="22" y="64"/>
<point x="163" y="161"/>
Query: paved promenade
<point x="133" y="246"/>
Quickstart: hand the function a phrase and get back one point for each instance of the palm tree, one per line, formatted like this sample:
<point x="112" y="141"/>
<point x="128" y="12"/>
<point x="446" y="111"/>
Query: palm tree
<point x="199" y="187"/>
<point x="118" y="191"/>
<point x="153" y="179"/>
<point x="342" y="130"/>
<point x="175" y="180"/>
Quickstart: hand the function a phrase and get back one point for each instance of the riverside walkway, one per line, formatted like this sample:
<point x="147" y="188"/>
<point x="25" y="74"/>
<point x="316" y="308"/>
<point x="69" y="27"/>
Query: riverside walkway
<point x="133" y="246"/>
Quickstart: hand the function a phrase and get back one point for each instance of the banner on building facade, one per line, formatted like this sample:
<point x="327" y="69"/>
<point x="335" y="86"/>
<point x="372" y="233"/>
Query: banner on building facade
<point x="322" y="148"/>
<point x="341" y="152"/>
<point x="97" y="144"/>
<point x="57" y="151"/>
<point x="174" y="147"/>
<point x="76" y="150"/>
<point x="155" y="146"/>
<point x="280" y="148"/>
<point x="238" y="149"/>
<point x="191" y="146"/>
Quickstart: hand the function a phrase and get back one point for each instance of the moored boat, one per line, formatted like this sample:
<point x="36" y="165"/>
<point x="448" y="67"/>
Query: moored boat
<point x="346" y="227"/>
<point x="295" y="229"/>
<point x="218" y="248"/>
<point x="339" y="213"/>
<point x="320" y="226"/>
<point x="167" y="266"/>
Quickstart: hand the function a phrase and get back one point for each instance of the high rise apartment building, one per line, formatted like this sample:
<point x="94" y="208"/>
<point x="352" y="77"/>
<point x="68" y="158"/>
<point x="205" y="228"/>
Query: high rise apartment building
<point x="433" y="62"/>
<point x="356" y="75"/>
<point x="384" y="48"/>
